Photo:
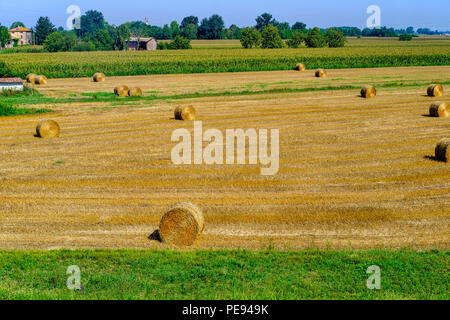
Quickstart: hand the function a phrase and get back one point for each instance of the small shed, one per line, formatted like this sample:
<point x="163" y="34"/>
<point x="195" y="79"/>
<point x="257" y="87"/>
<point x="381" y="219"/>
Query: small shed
<point x="11" y="84"/>
<point x="135" y="44"/>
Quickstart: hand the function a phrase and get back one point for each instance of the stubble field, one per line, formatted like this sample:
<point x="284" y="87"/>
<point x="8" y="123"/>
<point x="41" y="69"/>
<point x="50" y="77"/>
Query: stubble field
<point x="354" y="173"/>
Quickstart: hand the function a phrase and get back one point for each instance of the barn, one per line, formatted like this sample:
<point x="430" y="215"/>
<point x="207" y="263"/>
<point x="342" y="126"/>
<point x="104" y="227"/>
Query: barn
<point x="11" y="84"/>
<point x="135" y="44"/>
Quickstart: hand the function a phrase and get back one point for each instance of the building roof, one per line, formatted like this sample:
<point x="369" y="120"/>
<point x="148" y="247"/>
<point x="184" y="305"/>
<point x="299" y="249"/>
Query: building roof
<point x="141" y="39"/>
<point x="20" y="29"/>
<point x="11" y="80"/>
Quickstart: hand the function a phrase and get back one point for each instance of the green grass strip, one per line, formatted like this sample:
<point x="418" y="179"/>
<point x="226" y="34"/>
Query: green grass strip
<point x="310" y="274"/>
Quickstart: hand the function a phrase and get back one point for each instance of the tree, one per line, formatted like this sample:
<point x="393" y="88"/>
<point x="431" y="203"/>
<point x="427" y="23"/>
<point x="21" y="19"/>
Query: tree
<point x="299" y="26"/>
<point x="425" y="31"/>
<point x="410" y="30"/>
<point x="285" y="30"/>
<point x="203" y="29"/>
<point x="251" y="38"/>
<point x="190" y="31"/>
<point x="5" y="36"/>
<point x="140" y="27"/>
<point x="180" y="43"/>
<point x="91" y="21"/>
<point x="315" y="39"/>
<point x="43" y="29"/>
<point x="335" y="38"/>
<point x="233" y="32"/>
<point x="297" y="39"/>
<point x="405" y="37"/>
<point x="121" y="36"/>
<point x="103" y="40"/>
<point x="166" y="32"/>
<point x="379" y="32"/>
<point x="264" y="20"/>
<point x="17" y="24"/>
<point x="189" y="20"/>
<point x="174" y="29"/>
<point x="211" y="28"/>
<point x="70" y="41"/>
<point x="54" y="42"/>
<point x="271" y="38"/>
<point x="349" y="31"/>
<point x="84" y="46"/>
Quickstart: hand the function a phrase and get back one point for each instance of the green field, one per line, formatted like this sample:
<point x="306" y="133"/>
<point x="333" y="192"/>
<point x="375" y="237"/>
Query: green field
<point x="9" y="100"/>
<point x="207" y="58"/>
<point x="310" y="274"/>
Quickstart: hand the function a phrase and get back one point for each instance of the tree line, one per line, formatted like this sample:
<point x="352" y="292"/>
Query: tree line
<point x="96" y="33"/>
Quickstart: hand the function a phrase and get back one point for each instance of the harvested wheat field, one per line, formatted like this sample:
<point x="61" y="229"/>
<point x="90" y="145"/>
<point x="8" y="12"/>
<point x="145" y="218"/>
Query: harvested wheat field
<point x="353" y="173"/>
<point x="254" y="81"/>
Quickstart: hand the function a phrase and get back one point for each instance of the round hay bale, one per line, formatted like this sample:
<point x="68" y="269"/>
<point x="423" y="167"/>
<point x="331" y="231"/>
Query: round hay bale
<point x="99" y="77"/>
<point x="135" y="92"/>
<point x="435" y="90"/>
<point x="121" y="91"/>
<point x="47" y="129"/>
<point x="30" y="78"/>
<point x="187" y="113"/>
<point x="40" y="80"/>
<point x="182" y="224"/>
<point x="321" y="73"/>
<point x="439" y="109"/>
<point x="368" y="92"/>
<point x="300" y="67"/>
<point x="443" y="150"/>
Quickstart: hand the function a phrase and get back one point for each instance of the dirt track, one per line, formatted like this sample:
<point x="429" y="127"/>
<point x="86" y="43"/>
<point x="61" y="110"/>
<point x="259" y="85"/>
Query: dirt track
<point x="354" y="173"/>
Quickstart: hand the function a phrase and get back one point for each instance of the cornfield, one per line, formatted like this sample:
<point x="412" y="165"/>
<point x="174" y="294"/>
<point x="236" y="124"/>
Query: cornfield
<point x="85" y="64"/>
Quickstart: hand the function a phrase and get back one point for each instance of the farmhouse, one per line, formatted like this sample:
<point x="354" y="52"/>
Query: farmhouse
<point x="141" y="44"/>
<point x="22" y="35"/>
<point x="11" y="84"/>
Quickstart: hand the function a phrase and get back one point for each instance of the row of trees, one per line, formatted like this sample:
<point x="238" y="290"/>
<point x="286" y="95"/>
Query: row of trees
<point x="269" y="37"/>
<point x="385" y="32"/>
<point x="97" y="34"/>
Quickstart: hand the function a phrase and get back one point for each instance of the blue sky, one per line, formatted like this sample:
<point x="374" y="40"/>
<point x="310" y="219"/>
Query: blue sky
<point x="323" y="13"/>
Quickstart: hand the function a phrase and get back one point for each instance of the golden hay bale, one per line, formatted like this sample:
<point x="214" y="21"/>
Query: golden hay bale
<point x="40" y="80"/>
<point x="321" y="73"/>
<point x="440" y="109"/>
<point x="186" y="113"/>
<point x="435" y="90"/>
<point x="300" y="67"/>
<point x="47" y="129"/>
<point x="368" y="92"/>
<point x="31" y="77"/>
<point x="443" y="150"/>
<point x="135" y="92"/>
<point x="99" y="77"/>
<point x="181" y="225"/>
<point x="121" y="91"/>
